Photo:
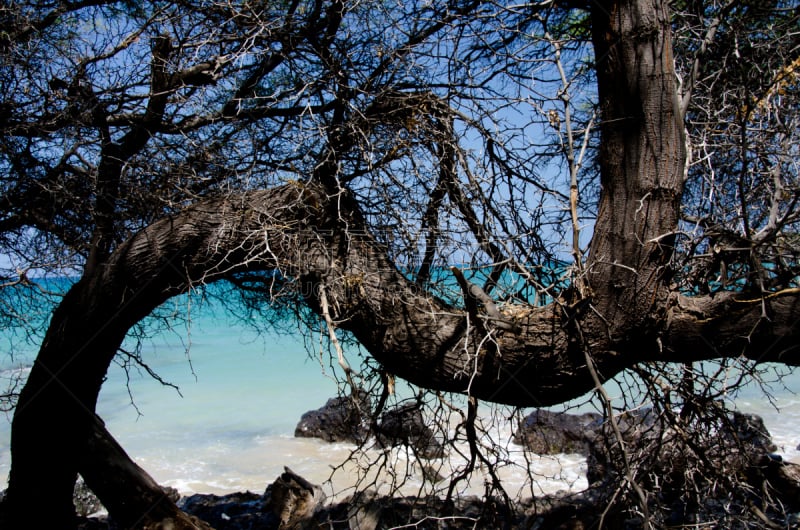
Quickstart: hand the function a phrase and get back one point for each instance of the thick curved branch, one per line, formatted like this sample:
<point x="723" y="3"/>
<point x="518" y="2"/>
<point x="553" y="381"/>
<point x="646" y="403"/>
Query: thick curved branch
<point x="763" y="329"/>
<point x="421" y="338"/>
<point x="318" y="239"/>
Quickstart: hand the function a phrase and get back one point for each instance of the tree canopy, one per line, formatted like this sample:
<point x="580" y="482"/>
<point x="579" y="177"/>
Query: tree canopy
<point x="512" y="201"/>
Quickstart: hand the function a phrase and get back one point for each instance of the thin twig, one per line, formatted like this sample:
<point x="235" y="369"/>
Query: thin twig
<point x="323" y="301"/>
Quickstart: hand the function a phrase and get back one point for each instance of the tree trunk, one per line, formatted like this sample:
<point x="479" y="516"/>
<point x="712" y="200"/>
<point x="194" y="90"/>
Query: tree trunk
<point x="55" y="411"/>
<point x="413" y="335"/>
<point x="53" y="416"/>
<point x="642" y="159"/>
<point x="532" y="359"/>
<point x="128" y="493"/>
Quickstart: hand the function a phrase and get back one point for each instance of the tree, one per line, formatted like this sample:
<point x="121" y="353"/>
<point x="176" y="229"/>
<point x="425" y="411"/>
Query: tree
<point x="338" y="155"/>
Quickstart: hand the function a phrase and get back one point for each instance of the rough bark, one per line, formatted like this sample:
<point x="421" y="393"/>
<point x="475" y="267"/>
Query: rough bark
<point x="53" y="419"/>
<point x="763" y="329"/>
<point x="324" y="244"/>
<point x="642" y="162"/>
<point x="127" y="491"/>
<point x="413" y="335"/>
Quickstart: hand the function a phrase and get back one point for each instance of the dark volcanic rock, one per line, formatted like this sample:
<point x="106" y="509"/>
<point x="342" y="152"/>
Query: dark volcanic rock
<point x="341" y="419"/>
<point x="783" y="477"/>
<point x="230" y="512"/>
<point x="545" y="433"/>
<point x="292" y="502"/>
<point x="86" y="502"/>
<point x="752" y="433"/>
<point x="344" y="419"/>
<point x="638" y="429"/>
<point x="405" y="425"/>
<point x="736" y="440"/>
<point x="731" y="448"/>
<point x="289" y="502"/>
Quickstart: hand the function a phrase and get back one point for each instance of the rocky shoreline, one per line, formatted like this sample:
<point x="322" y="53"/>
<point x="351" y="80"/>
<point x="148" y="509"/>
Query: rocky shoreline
<point x="365" y="511"/>
<point x="345" y="419"/>
<point x="293" y="502"/>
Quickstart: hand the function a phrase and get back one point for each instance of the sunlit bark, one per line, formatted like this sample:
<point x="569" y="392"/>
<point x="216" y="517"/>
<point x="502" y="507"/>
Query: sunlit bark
<point x="622" y="312"/>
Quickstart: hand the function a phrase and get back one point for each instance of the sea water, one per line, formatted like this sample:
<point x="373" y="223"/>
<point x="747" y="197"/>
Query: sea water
<point x="240" y="392"/>
<point x="226" y="418"/>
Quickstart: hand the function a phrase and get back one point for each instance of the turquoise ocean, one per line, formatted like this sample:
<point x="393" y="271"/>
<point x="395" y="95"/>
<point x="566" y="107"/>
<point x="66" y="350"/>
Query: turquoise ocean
<point x="241" y="393"/>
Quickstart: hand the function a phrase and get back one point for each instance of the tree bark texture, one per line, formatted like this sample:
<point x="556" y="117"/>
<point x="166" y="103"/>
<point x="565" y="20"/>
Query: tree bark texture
<point x="413" y="335"/>
<point x="536" y="358"/>
<point x="642" y="162"/>
<point x="55" y="411"/>
<point x="128" y="492"/>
